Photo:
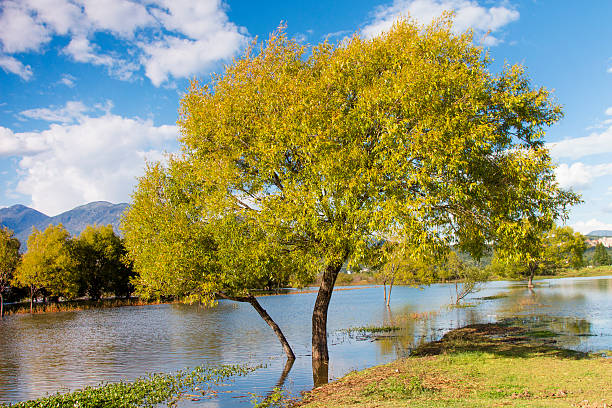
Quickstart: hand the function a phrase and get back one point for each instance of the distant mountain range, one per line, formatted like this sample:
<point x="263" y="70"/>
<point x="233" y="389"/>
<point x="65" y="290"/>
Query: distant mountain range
<point x="21" y="219"/>
<point x="600" y="233"/>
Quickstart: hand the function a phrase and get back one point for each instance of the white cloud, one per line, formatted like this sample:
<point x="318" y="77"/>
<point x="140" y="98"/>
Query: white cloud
<point x="609" y="111"/>
<point x="584" y="227"/>
<point x="68" y="80"/>
<point x="19" y="31"/>
<point x="14" y="66"/>
<point x="595" y="143"/>
<point x="579" y="175"/>
<point x="20" y="144"/>
<point x="121" y="17"/>
<point x="468" y="14"/>
<point x="169" y="38"/>
<point x="73" y="111"/>
<point x="96" y="158"/>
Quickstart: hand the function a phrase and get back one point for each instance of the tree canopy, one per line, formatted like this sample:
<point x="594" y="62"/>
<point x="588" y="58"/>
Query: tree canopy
<point x="537" y="251"/>
<point x="9" y="259"/>
<point x="99" y="255"/>
<point x="601" y="256"/>
<point x="313" y="154"/>
<point x="48" y="264"/>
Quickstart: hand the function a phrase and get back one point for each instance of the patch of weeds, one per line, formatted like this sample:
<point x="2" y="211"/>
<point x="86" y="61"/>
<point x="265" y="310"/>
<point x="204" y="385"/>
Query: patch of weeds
<point x="493" y="297"/>
<point x="371" y="329"/>
<point x="397" y="388"/>
<point x="540" y="334"/>
<point x="503" y="391"/>
<point x="461" y="305"/>
<point x="278" y="398"/>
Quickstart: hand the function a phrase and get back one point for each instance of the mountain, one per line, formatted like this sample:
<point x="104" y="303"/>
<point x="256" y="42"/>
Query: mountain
<point x="600" y="233"/>
<point x="21" y="219"/>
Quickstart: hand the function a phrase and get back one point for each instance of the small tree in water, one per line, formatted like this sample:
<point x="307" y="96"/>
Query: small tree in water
<point x="310" y="155"/>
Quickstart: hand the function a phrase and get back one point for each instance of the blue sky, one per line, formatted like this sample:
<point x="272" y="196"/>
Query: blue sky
<point x="89" y="89"/>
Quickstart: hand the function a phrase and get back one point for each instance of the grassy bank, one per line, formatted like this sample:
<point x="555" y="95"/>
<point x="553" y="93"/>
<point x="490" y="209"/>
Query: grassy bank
<point x="477" y="366"/>
<point x="587" y="272"/>
<point x="73" y="305"/>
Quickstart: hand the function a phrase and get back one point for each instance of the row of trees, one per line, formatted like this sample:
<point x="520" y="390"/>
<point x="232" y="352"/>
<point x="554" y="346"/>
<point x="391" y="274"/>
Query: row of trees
<point x="553" y="251"/>
<point x="56" y="265"/>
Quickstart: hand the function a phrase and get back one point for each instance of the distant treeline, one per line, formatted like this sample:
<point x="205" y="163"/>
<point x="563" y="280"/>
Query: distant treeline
<point x="57" y="266"/>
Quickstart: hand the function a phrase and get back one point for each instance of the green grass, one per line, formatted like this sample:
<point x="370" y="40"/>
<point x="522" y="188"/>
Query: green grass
<point x="477" y="366"/>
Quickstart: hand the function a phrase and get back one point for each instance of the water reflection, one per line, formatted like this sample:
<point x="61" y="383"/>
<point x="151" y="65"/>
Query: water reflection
<point x="43" y="353"/>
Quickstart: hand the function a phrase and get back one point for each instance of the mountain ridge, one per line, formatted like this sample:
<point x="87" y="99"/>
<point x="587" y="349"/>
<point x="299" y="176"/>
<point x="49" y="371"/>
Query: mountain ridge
<point x="20" y="218"/>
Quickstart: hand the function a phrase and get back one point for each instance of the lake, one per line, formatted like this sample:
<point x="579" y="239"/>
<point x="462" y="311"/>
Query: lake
<point x="45" y="353"/>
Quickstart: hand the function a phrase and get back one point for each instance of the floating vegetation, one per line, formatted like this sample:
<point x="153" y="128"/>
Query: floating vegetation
<point x="540" y="334"/>
<point x="370" y="329"/>
<point x="493" y="297"/>
<point x="461" y="305"/>
<point x="148" y="391"/>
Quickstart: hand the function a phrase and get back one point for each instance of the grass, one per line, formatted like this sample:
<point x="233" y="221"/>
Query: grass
<point x="585" y="272"/>
<point x="477" y="366"/>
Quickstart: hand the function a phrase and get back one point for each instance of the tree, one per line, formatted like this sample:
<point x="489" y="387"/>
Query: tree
<point x="48" y="265"/>
<point x="9" y="259"/>
<point x="538" y="249"/>
<point x="330" y="148"/>
<point x="467" y="278"/>
<point x="396" y="264"/>
<point x="100" y="265"/>
<point x="601" y="256"/>
<point x="180" y="250"/>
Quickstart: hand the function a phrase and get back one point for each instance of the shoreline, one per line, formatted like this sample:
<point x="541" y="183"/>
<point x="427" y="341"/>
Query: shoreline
<point x="479" y="365"/>
<point x="85" y="304"/>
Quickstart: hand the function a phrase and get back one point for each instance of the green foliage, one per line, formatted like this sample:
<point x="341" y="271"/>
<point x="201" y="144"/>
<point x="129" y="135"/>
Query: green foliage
<point x="9" y="257"/>
<point x="296" y="160"/>
<point x="601" y="256"/>
<point x="468" y="278"/>
<point x="539" y="252"/>
<point x="400" y="263"/>
<point x="149" y="391"/>
<point x="180" y="249"/>
<point x="48" y="264"/>
<point x="100" y="265"/>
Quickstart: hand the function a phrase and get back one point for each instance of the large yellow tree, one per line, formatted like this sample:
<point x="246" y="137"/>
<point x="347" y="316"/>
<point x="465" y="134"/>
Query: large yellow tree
<point x="322" y="151"/>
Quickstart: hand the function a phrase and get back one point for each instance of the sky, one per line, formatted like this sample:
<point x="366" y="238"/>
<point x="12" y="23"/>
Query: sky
<point x="90" y="89"/>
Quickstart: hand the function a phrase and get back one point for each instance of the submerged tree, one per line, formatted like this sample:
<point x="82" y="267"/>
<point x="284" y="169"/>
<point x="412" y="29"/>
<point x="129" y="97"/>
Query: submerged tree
<point x="9" y="259"/>
<point x="467" y="278"/>
<point x="320" y="152"/>
<point x="539" y="247"/>
<point x="397" y="264"/>
<point x="185" y="250"/>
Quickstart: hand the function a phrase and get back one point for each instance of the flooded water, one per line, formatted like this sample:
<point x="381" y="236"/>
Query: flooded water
<point x="53" y="352"/>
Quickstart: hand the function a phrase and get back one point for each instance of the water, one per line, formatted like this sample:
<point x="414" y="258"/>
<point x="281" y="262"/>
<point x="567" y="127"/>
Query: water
<point x="52" y="352"/>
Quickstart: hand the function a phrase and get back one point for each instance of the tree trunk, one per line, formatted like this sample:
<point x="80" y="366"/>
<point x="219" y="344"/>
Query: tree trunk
<point x="531" y="275"/>
<point x="31" y="298"/>
<point x="320" y="355"/>
<point x="385" y="289"/>
<point x="390" y="287"/>
<point x="1" y="306"/>
<point x="262" y="312"/>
